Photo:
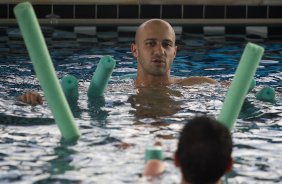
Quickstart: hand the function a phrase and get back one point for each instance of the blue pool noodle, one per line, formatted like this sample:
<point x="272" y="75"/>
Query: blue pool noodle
<point x="240" y="85"/>
<point x="101" y="77"/>
<point x="45" y="71"/>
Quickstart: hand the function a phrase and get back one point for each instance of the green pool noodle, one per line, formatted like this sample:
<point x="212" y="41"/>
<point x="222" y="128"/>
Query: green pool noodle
<point x="153" y="153"/>
<point x="240" y="85"/>
<point x="266" y="94"/>
<point x="252" y="85"/>
<point x="45" y="71"/>
<point x="101" y="77"/>
<point x="70" y="87"/>
<point x="128" y="76"/>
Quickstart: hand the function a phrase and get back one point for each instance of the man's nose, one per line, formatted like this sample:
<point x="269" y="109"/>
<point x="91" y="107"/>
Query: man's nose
<point x="159" y="49"/>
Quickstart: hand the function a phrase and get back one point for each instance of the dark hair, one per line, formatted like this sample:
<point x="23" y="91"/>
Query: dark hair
<point x="204" y="150"/>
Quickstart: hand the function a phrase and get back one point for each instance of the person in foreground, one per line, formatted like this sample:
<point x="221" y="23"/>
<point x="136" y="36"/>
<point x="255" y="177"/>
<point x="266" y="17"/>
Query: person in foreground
<point x="203" y="153"/>
<point x="154" y="50"/>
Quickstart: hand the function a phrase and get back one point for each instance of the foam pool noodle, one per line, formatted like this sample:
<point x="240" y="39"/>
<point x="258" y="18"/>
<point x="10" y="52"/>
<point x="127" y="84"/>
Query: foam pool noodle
<point x="45" y="71"/>
<point x="101" y="77"/>
<point x="252" y="85"/>
<point x="240" y="84"/>
<point x="70" y="87"/>
<point x="153" y="153"/>
<point x="128" y="76"/>
<point x="266" y="94"/>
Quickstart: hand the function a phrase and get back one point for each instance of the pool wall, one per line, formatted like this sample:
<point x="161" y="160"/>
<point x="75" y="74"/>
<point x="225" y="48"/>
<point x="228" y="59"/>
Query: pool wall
<point x="253" y="17"/>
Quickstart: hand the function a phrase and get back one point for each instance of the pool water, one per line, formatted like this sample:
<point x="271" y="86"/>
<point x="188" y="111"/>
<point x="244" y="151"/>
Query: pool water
<point x="31" y="149"/>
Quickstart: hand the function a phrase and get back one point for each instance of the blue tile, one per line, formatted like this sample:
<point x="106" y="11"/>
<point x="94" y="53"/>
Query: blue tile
<point x="235" y="30"/>
<point x="3" y="31"/>
<point x="193" y="29"/>
<point x="106" y="28"/>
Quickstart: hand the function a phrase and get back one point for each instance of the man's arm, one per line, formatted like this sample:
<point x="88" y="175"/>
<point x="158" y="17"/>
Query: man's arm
<point x="153" y="168"/>
<point x="154" y="161"/>
<point x="196" y="80"/>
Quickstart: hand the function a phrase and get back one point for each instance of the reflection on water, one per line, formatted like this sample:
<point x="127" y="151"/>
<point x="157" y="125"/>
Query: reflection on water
<point x="31" y="149"/>
<point x="155" y="102"/>
<point x="95" y="111"/>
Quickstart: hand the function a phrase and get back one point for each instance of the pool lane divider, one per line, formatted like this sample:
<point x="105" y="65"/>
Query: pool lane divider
<point x="240" y="84"/>
<point x="45" y="71"/>
<point x="101" y="77"/>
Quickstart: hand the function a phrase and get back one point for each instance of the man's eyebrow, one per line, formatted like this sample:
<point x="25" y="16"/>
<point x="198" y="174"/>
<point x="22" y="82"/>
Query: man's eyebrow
<point x="168" y="40"/>
<point x="150" y="39"/>
<point x="154" y="39"/>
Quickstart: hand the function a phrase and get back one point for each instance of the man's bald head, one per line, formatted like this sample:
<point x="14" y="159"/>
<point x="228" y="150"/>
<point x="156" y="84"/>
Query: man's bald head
<point x="154" y="50"/>
<point x="150" y="23"/>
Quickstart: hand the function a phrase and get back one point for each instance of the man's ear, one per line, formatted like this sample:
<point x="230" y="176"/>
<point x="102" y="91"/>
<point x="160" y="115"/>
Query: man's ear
<point x="176" y="160"/>
<point x="229" y="166"/>
<point x="134" y="50"/>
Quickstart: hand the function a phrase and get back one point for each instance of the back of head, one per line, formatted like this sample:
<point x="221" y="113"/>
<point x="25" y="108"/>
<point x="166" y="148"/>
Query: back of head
<point x="204" y="150"/>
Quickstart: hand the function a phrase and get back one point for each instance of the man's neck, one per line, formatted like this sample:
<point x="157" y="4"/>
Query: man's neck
<point x="151" y="80"/>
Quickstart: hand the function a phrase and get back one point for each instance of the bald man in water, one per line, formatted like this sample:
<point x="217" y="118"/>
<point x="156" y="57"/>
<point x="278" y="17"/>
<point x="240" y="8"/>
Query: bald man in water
<point x="154" y="50"/>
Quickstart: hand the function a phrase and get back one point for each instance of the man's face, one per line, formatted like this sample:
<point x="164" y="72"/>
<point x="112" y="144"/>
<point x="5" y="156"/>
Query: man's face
<point x="155" y="49"/>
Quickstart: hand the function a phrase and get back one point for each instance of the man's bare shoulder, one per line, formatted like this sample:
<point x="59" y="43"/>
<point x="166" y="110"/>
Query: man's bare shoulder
<point x="194" y="81"/>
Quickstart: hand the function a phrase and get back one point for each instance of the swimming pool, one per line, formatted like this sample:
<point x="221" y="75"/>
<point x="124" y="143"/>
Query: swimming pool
<point x="31" y="150"/>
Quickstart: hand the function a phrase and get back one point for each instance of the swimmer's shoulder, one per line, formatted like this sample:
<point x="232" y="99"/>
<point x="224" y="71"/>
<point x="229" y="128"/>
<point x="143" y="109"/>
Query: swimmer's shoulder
<point x="189" y="81"/>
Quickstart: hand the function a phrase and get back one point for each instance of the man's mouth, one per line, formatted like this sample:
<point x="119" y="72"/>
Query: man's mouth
<point x="158" y="60"/>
